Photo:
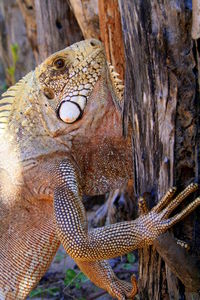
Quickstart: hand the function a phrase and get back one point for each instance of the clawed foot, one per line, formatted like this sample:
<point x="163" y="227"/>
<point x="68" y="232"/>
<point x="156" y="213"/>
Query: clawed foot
<point x="157" y="221"/>
<point x="134" y="290"/>
<point x="123" y="290"/>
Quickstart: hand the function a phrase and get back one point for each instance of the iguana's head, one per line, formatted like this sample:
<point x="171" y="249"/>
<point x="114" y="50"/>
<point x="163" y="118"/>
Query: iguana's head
<point x="68" y="78"/>
<point x="80" y="106"/>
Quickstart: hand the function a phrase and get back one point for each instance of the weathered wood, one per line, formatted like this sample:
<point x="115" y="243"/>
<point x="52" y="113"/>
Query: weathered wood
<point x="57" y="27"/>
<point x="27" y="8"/>
<point x="86" y="13"/>
<point x="185" y="266"/>
<point x="111" y="34"/>
<point x="161" y="88"/>
<point x="195" y="19"/>
<point x="101" y="19"/>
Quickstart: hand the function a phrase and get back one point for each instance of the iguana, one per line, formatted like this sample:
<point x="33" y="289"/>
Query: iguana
<point x="61" y="137"/>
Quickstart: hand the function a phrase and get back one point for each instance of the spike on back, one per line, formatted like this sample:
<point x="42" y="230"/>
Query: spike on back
<point x="5" y="107"/>
<point x="6" y="103"/>
<point x="116" y="82"/>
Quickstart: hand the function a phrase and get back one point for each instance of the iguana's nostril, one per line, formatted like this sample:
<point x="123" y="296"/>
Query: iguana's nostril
<point x="92" y="43"/>
<point x="95" y="43"/>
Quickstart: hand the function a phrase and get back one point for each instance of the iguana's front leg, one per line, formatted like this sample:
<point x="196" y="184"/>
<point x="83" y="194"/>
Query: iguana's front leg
<point x="112" y="240"/>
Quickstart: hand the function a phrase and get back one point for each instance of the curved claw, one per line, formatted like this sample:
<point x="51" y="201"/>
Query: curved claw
<point x="178" y="217"/>
<point x="164" y="200"/>
<point x="186" y="192"/>
<point x="134" y="291"/>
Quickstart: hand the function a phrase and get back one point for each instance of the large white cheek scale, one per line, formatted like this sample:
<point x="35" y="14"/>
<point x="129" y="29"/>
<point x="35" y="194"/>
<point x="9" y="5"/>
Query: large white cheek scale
<point x="69" y="112"/>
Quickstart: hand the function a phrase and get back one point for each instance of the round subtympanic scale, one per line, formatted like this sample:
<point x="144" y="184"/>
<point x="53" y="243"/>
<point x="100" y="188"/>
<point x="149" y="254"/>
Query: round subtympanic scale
<point x="69" y="112"/>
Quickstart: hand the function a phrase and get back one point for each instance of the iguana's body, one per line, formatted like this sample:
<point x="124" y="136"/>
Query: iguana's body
<point x="46" y="165"/>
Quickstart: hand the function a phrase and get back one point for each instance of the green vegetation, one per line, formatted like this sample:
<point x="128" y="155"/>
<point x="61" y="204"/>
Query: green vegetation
<point x="75" y="278"/>
<point x="71" y="278"/>
<point x="51" y="291"/>
<point x="15" y="57"/>
<point x="131" y="260"/>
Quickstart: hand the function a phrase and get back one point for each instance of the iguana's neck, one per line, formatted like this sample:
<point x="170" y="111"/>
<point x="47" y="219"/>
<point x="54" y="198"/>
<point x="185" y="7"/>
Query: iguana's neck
<point x="102" y="153"/>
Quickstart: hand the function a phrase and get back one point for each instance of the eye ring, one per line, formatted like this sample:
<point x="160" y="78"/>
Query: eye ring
<point x="59" y="63"/>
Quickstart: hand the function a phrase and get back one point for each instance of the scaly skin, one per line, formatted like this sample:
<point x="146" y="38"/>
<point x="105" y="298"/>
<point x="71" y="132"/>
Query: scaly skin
<point x="47" y="164"/>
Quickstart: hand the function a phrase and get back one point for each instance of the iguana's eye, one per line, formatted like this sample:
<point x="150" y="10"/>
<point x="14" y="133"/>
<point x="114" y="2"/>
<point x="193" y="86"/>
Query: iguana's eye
<point x="69" y="112"/>
<point x="59" y="63"/>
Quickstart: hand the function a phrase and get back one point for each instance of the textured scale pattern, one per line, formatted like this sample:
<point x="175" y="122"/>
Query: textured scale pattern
<point x="48" y="164"/>
<point x="28" y="253"/>
<point x="5" y="107"/>
<point x="7" y="102"/>
<point x="88" y="248"/>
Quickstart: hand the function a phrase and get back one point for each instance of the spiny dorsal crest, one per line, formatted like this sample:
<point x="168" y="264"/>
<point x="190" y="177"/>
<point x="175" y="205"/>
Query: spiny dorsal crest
<point x="116" y="82"/>
<point x="6" y="103"/>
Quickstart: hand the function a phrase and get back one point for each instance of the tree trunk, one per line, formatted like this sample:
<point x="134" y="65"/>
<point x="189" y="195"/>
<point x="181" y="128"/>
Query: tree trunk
<point x="86" y="13"/>
<point x="111" y="34"/>
<point x="27" y="8"/>
<point x="101" y="20"/>
<point x="162" y="91"/>
<point x="57" y="27"/>
<point x="38" y="28"/>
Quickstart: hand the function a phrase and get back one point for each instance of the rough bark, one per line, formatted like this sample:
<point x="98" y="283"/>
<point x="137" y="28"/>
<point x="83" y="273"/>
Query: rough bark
<point x="101" y="19"/>
<point x="86" y="13"/>
<point x="27" y="8"/>
<point x="162" y="90"/>
<point x="111" y="34"/>
<point x="57" y="27"/>
<point x="195" y="19"/>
